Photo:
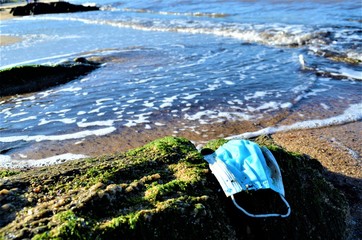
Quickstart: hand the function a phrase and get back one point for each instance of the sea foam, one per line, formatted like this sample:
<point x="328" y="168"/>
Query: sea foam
<point x="352" y="114"/>
<point x="8" y="162"/>
<point x="69" y="136"/>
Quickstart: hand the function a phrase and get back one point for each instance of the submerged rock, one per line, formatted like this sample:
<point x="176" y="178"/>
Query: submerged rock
<point x="25" y="79"/>
<point x="163" y="190"/>
<point x="52" y="7"/>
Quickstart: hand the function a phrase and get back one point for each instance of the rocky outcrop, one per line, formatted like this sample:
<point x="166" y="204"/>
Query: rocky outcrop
<point x="25" y="79"/>
<point x="164" y="190"/>
<point x="52" y="7"/>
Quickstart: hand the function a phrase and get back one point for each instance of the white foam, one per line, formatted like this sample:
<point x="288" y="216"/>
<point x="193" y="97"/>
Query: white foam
<point x="352" y="114"/>
<point x="134" y="100"/>
<point x="164" y="105"/>
<point x="108" y="123"/>
<point x="81" y="113"/>
<point x="97" y="110"/>
<point x="58" y="112"/>
<point x="63" y="120"/>
<point x="167" y="102"/>
<point x="8" y="162"/>
<point x="140" y="118"/>
<point x="227" y="82"/>
<point x="100" y="101"/>
<point x="325" y="106"/>
<point x="40" y="138"/>
<point x="352" y="153"/>
<point x="257" y="94"/>
<point x="25" y="119"/>
<point x="286" y="105"/>
<point x="38" y="60"/>
<point x="190" y="96"/>
<point x="207" y="116"/>
<point x="268" y="106"/>
<point x="18" y="114"/>
<point x="351" y="73"/>
<point x="69" y="89"/>
<point x="148" y="104"/>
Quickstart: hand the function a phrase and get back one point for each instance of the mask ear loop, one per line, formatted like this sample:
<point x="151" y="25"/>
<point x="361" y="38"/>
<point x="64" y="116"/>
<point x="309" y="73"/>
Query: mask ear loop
<point x="264" y="215"/>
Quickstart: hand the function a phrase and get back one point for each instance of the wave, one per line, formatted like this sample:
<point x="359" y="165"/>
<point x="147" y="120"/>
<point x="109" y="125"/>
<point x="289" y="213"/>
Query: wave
<point x="349" y="56"/>
<point x="70" y="136"/>
<point x="268" y="34"/>
<point x="335" y="42"/>
<point x="9" y="163"/>
<point x="352" y="114"/>
<point x="329" y="72"/>
<point x="193" y="14"/>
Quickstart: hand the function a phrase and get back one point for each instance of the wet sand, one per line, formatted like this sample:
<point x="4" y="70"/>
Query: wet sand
<point x="7" y="40"/>
<point x="339" y="150"/>
<point x="6" y="15"/>
<point x="6" y="7"/>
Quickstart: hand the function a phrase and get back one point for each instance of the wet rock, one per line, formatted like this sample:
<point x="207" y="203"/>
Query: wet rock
<point x="160" y="190"/>
<point x="52" y="7"/>
<point x="8" y="207"/>
<point x="25" y="79"/>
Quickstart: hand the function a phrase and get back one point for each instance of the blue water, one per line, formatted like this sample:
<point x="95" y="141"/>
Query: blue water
<point x="185" y="65"/>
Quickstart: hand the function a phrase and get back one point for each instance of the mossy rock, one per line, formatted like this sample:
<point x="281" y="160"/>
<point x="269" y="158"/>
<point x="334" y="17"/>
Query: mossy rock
<point x="32" y="78"/>
<point x="51" y="7"/>
<point x="163" y="190"/>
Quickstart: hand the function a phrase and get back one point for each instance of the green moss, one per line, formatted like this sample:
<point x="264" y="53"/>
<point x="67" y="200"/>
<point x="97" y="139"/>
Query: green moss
<point x="30" y="78"/>
<point x="159" y="190"/>
<point x="8" y="173"/>
<point x="69" y="226"/>
<point x="215" y="144"/>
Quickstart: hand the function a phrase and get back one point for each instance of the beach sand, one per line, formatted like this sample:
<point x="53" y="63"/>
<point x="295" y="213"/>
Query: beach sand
<point x="339" y="150"/>
<point x="6" y="15"/>
<point x="7" y="40"/>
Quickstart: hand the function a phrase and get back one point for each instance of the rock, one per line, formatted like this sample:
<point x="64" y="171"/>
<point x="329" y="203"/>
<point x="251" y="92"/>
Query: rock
<point x="52" y="7"/>
<point x="31" y="78"/>
<point x="165" y="190"/>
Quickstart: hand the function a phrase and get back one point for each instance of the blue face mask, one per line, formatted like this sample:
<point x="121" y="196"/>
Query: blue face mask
<point x="241" y="165"/>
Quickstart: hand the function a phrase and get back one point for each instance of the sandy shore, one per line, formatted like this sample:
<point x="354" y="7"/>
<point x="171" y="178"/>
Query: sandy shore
<point x="6" y="7"/>
<point x="6" y="15"/>
<point x="7" y="40"/>
<point x="339" y="150"/>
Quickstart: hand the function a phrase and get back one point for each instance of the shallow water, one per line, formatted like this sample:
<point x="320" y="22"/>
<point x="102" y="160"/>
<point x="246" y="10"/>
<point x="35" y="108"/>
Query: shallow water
<point x="186" y="65"/>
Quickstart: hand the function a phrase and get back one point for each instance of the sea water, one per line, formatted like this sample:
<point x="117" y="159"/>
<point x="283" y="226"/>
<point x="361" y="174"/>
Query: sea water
<point x="185" y="66"/>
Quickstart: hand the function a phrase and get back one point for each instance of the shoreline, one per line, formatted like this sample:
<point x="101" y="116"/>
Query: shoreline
<point x="6" y="15"/>
<point x="337" y="148"/>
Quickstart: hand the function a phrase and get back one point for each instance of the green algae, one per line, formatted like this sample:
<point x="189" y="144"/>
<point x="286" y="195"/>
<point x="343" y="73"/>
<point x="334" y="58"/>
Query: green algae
<point x="31" y="78"/>
<point x="159" y="191"/>
<point x="8" y="173"/>
<point x="69" y="226"/>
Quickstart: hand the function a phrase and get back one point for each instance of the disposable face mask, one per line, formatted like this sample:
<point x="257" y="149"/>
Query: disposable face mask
<point x="241" y="165"/>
